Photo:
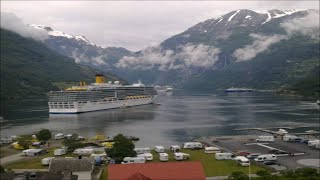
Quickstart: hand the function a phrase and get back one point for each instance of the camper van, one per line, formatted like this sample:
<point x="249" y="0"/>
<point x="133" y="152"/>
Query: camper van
<point x="243" y="161"/>
<point x="132" y="160"/>
<point x="289" y="138"/>
<point x="59" y="136"/>
<point x="34" y="152"/>
<point x="266" y="157"/>
<point x="46" y="161"/>
<point x="192" y="145"/>
<point x="179" y="156"/>
<point x="282" y="131"/>
<point x="211" y="150"/>
<point x="147" y="156"/>
<point x="83" y="152"/>
<point x="175" y="148"/>
<point x="59" y="152"/>
<point x="163" y="157"/>
<point x="142" y="150"/>
<point x="265" y="139"/>
<point x="313" y="143"/>
<point x="159" y="149"/>
<point x="222" y="156"/>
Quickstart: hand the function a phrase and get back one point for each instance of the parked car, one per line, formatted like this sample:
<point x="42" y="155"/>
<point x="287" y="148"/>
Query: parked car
<point x="242" y="153"/>
<point x="269" y="163"/>
<point x="253" y="155"/>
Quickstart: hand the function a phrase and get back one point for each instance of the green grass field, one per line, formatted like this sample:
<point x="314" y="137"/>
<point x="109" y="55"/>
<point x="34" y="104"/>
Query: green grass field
<point x="34" y="162"/>
<point x="211" y="166"/>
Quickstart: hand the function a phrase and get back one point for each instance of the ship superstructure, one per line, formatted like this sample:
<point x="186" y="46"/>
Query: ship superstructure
<point x="99" y="96"/>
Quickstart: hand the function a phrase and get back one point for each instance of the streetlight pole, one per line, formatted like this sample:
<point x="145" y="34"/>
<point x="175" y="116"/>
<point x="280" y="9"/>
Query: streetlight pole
<point x="249" y="170"/>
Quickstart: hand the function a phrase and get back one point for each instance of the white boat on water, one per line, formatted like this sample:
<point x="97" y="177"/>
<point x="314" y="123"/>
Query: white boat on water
<point x="233" y="89"/>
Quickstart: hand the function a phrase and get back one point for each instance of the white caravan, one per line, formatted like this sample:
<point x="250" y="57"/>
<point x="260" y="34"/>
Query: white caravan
<point x="211" y="150"/>
<point x="243" y="161"/>
<point x="282" y="131"/>
<point x="59" y="152"/>
<point x="181" y="156"/>
<point x="142" y="150"/>
<point x="163" y="157"/>
<point x="265" y="139"/>
<point x="132" y="160"/>
<point x="59" y="136"/>
<point x="83" y="152"/>
<point x="313" y="143"/>
<point x="266" y="157"/>
<point x="192" y="145"/>
<point x="147" y="156"/>
<point x="290" y="138"/>
<point x="222" y="156"/>
<point x="175" y="148"/>
<point x="159" y="149"/>
<point x="46" y="161"/>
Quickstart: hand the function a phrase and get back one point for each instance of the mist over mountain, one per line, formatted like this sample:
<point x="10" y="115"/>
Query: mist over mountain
<point x="267" y="50"/>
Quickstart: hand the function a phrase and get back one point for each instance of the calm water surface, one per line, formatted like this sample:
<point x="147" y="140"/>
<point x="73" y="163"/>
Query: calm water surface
<point x="182" y="116"/>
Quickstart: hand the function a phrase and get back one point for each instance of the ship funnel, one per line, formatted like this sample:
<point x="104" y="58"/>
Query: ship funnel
<point x="100" y="78"/>
<point x="83" y="83"/>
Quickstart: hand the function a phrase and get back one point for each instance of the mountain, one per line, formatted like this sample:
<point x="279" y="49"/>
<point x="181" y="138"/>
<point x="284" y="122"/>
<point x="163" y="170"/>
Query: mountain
<point x="28" y="67"/>
<point x="267" y="50"/>
<point x="82" y="50"/>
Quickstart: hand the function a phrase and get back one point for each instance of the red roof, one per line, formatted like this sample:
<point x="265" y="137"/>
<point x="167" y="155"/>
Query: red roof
<point x="157" y="171"/>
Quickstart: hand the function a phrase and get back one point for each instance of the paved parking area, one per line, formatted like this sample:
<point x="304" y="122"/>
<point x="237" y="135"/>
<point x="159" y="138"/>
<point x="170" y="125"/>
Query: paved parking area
<point x="310" y="157"/>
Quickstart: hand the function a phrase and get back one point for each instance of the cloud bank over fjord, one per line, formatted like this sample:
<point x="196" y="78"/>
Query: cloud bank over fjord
<point x="260" y="44"/>
<point x="186" y="56"/>
<point x="307" y="26"/>
<point x="11" y="22"/>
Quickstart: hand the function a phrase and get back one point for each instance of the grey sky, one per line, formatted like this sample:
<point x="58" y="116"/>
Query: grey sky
<point x="133" y="25"/>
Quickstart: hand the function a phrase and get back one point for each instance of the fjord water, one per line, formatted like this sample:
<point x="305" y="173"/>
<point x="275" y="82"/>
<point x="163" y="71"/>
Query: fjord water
<point x="181" y="116"/>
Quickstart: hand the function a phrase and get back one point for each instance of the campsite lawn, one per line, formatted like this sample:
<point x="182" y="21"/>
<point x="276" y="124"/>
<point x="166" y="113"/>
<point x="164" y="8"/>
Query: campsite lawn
<point x="211" y="166"/>
<point x="33" y="162"/>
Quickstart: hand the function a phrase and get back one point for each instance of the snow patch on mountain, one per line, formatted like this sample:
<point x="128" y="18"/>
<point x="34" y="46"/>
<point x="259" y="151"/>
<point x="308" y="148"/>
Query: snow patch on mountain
<point x="230" y="18"/>
<point x="55" y="33"/>
<point x="268" y="19"/>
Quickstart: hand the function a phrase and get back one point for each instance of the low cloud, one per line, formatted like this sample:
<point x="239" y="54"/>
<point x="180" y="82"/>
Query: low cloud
<point x="11" y="22"/>
<point x="307" y="25"/>
<point x="185" y="56"/>
<point x="82" y="58"/>
<point x="260" y="44"/>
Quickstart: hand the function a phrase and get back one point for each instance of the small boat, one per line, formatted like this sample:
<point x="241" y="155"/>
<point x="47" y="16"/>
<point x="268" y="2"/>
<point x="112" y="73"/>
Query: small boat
<point x="232" y="89"/>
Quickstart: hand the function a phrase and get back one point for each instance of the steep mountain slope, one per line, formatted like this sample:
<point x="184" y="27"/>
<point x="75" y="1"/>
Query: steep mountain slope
<point x="30" y="68"/>
<point x="266" y="50"/>
<point x="82" y="50"/>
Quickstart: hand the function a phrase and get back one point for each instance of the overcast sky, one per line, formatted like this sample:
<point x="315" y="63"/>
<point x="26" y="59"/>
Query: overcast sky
<point x="133" y="25"/>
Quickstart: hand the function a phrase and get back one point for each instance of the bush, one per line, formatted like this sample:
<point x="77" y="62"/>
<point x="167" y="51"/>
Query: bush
<point x="238" y="175"/>
<point x="72" y="143"/>
<point x="25" y="141"/>
<point x="123" y="147"/>
<point x="44" y="135"/>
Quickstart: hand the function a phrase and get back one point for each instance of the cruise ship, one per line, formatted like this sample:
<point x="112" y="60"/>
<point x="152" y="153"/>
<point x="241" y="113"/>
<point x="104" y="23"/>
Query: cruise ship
<point x="99" y="96"/>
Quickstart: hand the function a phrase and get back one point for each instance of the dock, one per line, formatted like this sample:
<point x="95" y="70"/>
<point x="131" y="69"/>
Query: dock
<point x="267" y="130"/>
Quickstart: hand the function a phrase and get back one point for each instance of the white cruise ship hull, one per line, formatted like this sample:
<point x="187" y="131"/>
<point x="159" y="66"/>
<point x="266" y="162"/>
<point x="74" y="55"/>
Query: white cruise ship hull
<point x="89" y="106"/>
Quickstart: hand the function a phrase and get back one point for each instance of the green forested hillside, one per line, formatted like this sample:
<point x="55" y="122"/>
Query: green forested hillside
<point x="28" y="67"/>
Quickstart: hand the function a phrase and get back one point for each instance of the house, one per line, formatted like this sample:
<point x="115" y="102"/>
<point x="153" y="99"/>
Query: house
<point x="154" y="171"/>
<point x="82" y="167"/>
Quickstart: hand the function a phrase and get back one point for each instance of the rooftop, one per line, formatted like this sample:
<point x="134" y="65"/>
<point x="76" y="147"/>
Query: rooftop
<point x="169" y="170"/>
